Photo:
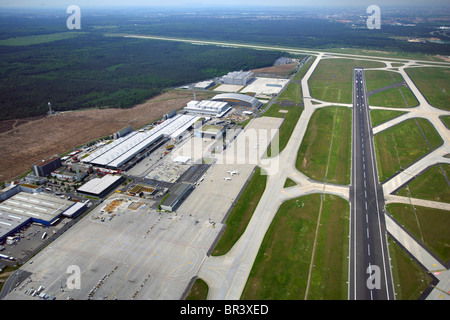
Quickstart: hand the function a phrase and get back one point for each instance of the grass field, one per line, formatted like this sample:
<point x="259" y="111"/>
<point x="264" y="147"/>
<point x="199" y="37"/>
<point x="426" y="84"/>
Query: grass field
<point x="410" y="278"/>
<point x="394" y="98"/>
<point x="38" y="39"/>
<point x="429" y="226"/>
<point x="399" y="146"/>
<point x="242" y="213"/>
<point x="380" y="116"/>
<point x="199" y="290"/>
<point x="430" y="185"/>
<point x="290" y="121"/>
<point x="315" y="156"/>
<point x="333" y="78"/>
<point x="376" y="79"/>
<point x="434" y="83"/>
<point x="281" y="268"/>
<point x="446" y="121"/>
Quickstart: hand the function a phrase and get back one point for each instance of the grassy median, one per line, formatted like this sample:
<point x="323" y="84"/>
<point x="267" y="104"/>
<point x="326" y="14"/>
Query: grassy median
<point x="399" y="146"/>
<point x="281" y="268"/>
<point x="314" y="155"/>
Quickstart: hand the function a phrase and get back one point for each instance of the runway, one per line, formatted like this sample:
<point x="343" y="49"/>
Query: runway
<point x="369" y="268"/>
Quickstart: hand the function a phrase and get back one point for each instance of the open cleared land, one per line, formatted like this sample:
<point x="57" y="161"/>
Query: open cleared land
<point x="38" y="39"/>
<point x="61" y="133"/>
<point x="326" y="148"/>
<point x="399" y="146"/>
<point x="434" y="83"/>
<point x="281" y="267"/>
<point x="427" y="225"/>
<point x="332" y="79"/>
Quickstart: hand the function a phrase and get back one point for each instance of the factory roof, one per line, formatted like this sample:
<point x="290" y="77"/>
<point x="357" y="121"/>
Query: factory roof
<point x="217" y="108"/>
<point x="123" y="149"/>
<point x="97" y="186"/>
<point x="39" y="206"/>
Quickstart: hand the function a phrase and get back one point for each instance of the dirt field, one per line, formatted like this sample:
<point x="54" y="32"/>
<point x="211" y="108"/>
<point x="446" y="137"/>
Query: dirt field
<point x="281" y="70"/>
<point x="23" y="142"/>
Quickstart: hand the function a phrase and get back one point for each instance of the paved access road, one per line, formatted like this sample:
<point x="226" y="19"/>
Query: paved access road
<point x="370" y="272"/>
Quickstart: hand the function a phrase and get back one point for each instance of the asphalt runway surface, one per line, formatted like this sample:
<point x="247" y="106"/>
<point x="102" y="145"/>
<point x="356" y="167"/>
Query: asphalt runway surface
<point x="370" y="273"/>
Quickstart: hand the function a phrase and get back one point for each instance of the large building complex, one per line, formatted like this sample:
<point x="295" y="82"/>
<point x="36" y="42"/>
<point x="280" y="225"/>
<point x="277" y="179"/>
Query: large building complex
<point x="118" y="153"/>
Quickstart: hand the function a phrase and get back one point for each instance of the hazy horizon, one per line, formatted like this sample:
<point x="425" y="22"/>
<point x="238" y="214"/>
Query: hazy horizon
<point x="218" y="3"/>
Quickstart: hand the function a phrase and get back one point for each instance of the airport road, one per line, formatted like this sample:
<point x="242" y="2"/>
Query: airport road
<point x="369" y="268"/>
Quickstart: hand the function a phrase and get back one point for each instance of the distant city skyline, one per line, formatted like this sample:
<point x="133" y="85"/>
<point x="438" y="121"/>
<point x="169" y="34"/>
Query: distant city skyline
<point x="217" y="3"/>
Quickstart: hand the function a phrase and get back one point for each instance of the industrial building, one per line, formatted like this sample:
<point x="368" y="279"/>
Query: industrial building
<point x="45" y="167"/>
<point x="100" y="187"/>
<point x="208" y="108"/>
<point x="204" y="85"/>
<point x="175" y="199"/>
<point x="40" y="207"/>
<point x="117" y="154"/>
<point x="238" y="78"/>
<point x="238" y="100"/>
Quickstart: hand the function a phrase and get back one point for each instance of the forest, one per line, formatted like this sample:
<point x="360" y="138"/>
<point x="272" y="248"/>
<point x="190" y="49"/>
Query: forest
<point x="91" y="70"/>
<point x="42" y="61"/>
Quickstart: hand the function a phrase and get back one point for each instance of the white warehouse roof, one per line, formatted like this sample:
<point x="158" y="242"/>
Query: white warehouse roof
<point x="215" y="108"/>
<point x="98" y="185"/>
<point x="39" y="206"/>
<point x="123" y="149"/>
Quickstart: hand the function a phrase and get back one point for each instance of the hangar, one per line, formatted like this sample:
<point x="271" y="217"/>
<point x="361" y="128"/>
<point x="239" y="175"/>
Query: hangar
<point x="238" y="100"/>
<point x="175" y="199"/>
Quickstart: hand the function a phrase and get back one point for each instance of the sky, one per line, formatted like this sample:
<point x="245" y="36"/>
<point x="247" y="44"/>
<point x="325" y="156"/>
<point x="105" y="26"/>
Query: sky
<point x="205" y="3"/>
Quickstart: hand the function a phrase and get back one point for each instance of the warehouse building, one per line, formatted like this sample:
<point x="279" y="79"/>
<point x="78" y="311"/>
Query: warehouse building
<point x="174" y="200"/>
<point x="238" y="100"/>
<point x="238" y="78"/>
<point x="208" y="108"/>
<point x="40" y="207"/>
<point x="117" y="154"/>
<point x="100" y="187"/>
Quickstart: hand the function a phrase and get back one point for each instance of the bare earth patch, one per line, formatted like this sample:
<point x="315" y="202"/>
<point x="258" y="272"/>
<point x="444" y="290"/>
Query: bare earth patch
<point x="24" y="142"/>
